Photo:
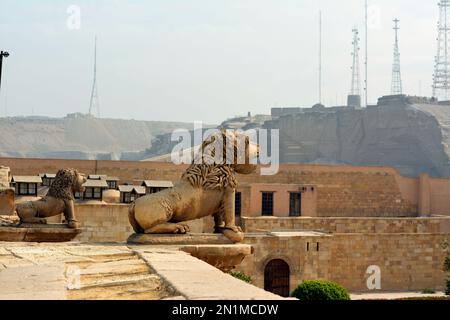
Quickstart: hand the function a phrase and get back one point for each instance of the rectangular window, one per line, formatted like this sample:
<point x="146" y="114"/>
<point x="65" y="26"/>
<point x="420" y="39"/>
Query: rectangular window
<point x="77" y="195"/>
<point x="237" y="203"/>
<point x="267" y="203"/>
<point x="127" y="197"/>
<point x="111" y="184"/>
<point x="31" y="188"/>
<point x="97" y="193"/>
<point x="295" y="204"/>
<point x="88" y="193"/>
<point x="23" y="188"/>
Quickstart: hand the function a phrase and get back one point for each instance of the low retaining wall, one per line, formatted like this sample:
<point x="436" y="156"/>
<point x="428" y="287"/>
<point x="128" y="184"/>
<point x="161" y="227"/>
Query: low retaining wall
<point x="349" y="225"/>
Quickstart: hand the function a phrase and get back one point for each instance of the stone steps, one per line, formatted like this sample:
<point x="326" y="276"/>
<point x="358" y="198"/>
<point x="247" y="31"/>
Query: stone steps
<point x="105" y="277"/>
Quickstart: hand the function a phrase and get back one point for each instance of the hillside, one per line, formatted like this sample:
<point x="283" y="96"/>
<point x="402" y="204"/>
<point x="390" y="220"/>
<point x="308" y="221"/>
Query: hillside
<point x="79" y="136"/>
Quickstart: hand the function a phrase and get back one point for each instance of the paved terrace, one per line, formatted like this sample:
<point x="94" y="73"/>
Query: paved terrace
<point x="116" y="271"/>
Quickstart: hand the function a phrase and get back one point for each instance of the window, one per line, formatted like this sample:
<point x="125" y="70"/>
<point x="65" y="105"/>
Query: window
<point x="88" y="193"/>
<point x="267" y="203"/>
<point x="77" y="195"/>
<point x="237" y="203"/>
<point x="295" y="204"/>
<point x="112" y="184"/>
<point x="31" y="188"/>
<point x="97" y="193"/>
<point x="23" y="188"/>
<point x="127" y="197"/>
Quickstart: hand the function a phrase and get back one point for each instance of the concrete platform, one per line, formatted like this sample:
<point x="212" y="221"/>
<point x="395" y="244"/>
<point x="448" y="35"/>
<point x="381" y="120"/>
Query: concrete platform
<point x="38" y="233"/>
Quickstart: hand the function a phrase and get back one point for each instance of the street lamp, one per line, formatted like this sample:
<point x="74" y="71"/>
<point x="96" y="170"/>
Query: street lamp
<point x="6" y="55"/>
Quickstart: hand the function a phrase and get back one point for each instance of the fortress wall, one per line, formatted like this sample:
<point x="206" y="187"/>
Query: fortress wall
<point x="406" y="261"/>
<point x="341" y="190"/>
<point x="349" y="225"/>
<point x="440" y="196"/>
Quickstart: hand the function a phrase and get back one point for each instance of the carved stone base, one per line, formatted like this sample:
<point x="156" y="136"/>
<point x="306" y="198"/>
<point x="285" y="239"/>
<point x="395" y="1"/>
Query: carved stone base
<point x="179" y="239"/>
<point x="215" y="249"/>
<point x="223" y="256"/>
<point x="38" y="233"/>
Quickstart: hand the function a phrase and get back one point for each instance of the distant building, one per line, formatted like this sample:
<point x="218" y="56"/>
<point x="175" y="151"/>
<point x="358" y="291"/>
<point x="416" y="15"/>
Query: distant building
<point x="26" y="185"/>
<point x="129" y="193"/>
<point x="94" y="190"/>
<point x="47" y="178"/>
<point x="153" y="186"/>
<point x="111" y="181"/>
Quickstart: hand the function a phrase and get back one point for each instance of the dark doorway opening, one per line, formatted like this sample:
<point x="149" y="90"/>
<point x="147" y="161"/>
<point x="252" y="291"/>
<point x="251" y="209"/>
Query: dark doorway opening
<point x="276" y="277"/>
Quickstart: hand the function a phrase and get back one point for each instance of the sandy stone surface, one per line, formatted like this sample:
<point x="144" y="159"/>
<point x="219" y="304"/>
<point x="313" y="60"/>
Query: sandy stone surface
<point x="115" y="271"/>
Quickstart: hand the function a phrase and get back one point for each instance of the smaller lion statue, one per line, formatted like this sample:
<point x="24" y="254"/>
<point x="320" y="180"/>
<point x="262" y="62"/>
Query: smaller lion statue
<point x="59" y="199"/>
<point x="207" y="188"/>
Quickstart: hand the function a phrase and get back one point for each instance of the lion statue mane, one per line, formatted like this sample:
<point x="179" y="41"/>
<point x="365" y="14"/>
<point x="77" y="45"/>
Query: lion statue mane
<point x="59" y="199"/>
<point x="206" y="188"/>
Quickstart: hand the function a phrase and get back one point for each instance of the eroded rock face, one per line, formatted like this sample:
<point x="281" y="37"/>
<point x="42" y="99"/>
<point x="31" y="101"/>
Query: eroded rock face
<point x="396" y="133"/>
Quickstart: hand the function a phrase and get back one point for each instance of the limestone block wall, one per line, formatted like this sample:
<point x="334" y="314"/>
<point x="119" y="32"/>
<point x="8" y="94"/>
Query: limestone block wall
<point x="407" y="261"/>
<point x="102" y="222"/>
<point x="349" y="225"/>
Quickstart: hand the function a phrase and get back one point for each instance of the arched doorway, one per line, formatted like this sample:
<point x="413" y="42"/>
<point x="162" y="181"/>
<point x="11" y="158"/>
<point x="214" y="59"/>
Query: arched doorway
<point x="276" y="277"/>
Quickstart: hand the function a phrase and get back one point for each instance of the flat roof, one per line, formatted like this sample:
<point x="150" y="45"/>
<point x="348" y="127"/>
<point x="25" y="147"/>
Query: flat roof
<point x="26" y="179"/>
<point x="298" y="233"/>
<point x="157" y="183"/>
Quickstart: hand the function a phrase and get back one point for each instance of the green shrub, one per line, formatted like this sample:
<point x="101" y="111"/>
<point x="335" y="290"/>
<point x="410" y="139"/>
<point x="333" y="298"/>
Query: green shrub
<point x="428" y="291"/>
<point x="320" y="290"/>
<point x="241" y="276"/>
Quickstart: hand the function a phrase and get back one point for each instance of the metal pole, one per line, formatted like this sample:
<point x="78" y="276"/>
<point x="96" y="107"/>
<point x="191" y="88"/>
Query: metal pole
<point x="1" y="63"/>
<point x="366" y="58"/>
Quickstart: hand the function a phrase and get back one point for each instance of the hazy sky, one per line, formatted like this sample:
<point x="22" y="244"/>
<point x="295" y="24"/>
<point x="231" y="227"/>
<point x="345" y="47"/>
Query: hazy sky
<point x="208" y="60"/>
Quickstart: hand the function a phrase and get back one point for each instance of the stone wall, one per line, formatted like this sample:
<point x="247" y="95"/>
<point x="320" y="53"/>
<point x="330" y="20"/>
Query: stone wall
<point x="6" y="193"/>
<point x="349" y="225"/>
<point x="109" y="222"/>
<point x="407" y="261"/>
<point x="341" y="190"/>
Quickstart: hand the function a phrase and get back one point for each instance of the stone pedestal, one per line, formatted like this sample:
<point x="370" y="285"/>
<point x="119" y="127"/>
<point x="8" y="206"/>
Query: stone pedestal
<point x="38" y="233"/>
<point x="7" y="206"/>
<point x="215" y="249"/>
<point x="179" y="239"/>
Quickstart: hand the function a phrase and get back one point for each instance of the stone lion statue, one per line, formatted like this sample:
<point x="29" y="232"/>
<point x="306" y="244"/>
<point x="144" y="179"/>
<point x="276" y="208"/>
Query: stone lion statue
<point x="207" y="188"/>
<point x="59" y="199"/>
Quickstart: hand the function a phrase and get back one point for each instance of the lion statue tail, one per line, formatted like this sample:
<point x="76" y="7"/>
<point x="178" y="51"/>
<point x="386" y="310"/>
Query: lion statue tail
<point x="136" y="227"/>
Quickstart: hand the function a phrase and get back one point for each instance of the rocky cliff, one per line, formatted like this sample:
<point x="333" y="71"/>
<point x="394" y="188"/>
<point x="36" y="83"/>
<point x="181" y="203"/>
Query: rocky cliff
<point x="398" y="132"/>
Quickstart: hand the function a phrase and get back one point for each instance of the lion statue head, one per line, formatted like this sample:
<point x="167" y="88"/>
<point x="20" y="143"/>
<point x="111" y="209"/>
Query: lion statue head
<point x="66" y="183"/>
<point x="221" y="155"/>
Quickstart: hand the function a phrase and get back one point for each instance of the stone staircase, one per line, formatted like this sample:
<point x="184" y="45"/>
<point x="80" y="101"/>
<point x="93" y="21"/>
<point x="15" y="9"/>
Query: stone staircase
<point x="118" y="276"/>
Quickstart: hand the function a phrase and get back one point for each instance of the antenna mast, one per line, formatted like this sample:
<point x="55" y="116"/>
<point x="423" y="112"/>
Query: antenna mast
<point x="95" y="103"/>
<point x="366" y="84"/>
<point x="396" y="86"/>
<point x="441" y="76"/>
<point x="320" y="57"/>
<point x="354" y="98"/>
